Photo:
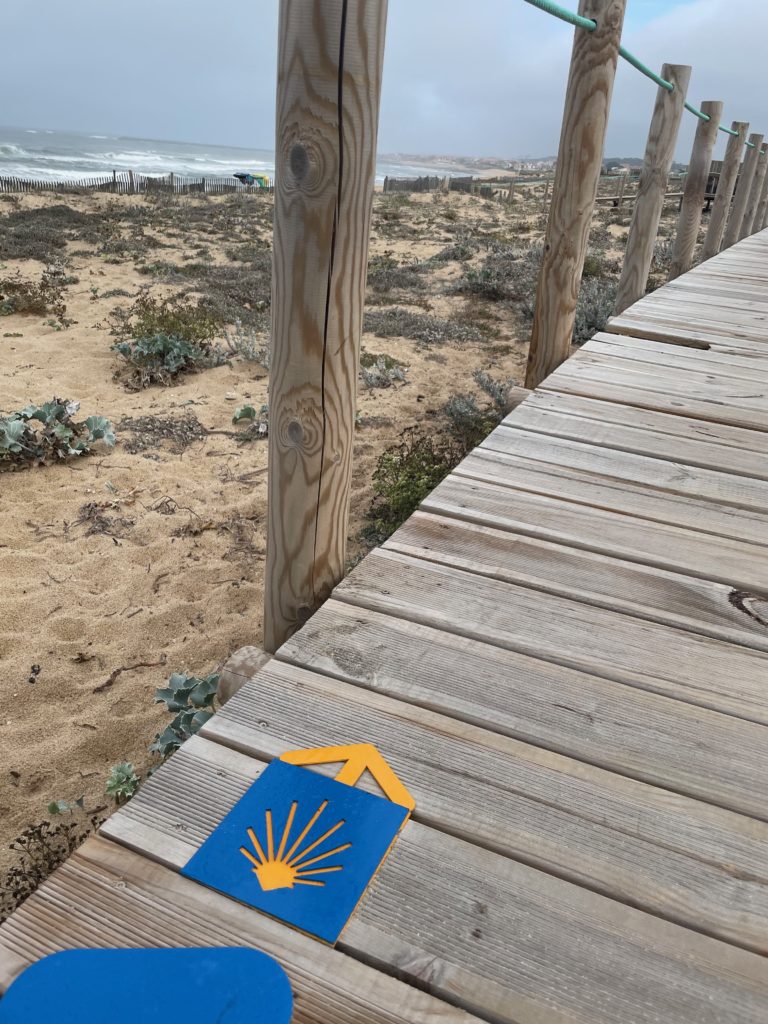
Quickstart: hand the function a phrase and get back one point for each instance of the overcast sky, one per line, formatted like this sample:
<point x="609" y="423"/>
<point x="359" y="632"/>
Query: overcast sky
<point x="483" y="78"/>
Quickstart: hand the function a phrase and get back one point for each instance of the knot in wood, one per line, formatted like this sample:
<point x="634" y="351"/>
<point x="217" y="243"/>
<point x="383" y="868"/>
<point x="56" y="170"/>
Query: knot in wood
<point x="300" y="427"/>
<point x="308" y="160"/>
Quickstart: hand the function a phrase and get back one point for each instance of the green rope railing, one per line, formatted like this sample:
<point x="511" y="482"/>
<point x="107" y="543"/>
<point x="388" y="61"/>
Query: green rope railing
<point x="587" y="23"/>
<point x="560" y="12"/>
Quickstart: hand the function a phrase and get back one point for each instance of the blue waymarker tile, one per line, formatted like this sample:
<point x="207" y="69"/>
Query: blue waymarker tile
<point x="150" y="986"/>
<point x="300" y="847"/>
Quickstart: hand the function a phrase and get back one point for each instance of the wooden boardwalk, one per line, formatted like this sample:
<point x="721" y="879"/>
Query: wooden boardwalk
<point x="564" y="655"/>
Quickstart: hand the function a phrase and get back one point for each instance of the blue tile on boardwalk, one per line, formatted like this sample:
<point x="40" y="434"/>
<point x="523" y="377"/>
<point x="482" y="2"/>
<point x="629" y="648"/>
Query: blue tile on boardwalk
<point x="299" y="846"/>
<point x="151" y="986"/>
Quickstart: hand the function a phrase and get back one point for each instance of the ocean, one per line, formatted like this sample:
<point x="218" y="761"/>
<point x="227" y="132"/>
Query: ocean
<point x="43" y="154"/>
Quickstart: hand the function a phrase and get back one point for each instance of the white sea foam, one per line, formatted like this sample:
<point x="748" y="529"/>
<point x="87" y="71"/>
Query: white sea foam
<point x="72" y="156"/>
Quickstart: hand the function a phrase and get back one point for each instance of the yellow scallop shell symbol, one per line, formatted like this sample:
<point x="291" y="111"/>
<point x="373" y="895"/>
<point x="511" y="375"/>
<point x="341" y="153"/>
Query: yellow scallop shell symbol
<point x="289" y="866"/>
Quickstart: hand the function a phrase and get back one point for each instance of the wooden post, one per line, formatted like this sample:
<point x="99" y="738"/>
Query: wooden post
<point x="577" y="177"/>
<point x="743" y="189"/>
<point x="659" y="153"/>
<point x="689" y="221"/>
<point x="762" y="209"/>
<point x="754" y="195"/>
<point x="546" y="196"/>
<point x="725" y="186"/>
<point x="130" y="182"/>
<point x="330" y="55"/>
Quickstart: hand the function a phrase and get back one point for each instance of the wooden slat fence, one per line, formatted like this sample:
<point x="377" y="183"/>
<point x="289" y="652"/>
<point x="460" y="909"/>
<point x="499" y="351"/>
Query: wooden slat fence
<point x="130" y="183"/>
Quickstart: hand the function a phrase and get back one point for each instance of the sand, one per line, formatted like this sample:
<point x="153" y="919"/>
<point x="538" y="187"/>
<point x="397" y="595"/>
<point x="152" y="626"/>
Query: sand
<point x="172" y="577"/>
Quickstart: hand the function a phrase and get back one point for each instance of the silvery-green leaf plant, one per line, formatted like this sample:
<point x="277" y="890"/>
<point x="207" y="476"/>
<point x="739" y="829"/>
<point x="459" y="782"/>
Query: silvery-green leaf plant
<point x="42" y="434"/>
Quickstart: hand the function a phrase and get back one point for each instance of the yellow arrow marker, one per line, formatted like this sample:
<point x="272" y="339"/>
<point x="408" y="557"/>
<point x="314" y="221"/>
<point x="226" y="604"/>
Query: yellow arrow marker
<point x="357" y="758"/>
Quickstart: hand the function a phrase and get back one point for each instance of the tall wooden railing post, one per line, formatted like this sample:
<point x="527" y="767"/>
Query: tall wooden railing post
<point x="659" y="153"/>
<point x="689" y="221"/>
<point x="759" y="222"/>
<point x="577" y="177"/>
<point x="330" y="55"/>
<point x="725" y="186"/>
<point x="755" y="194"/>
<point x="743" y="190"/>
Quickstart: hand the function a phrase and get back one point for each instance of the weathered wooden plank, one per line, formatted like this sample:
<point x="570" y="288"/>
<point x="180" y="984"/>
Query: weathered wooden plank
<point x="622" y="838"/>
<point x="689" y="360"/>
<point x="106" y="897"/>
<point x="636" y="500"/>
<point x="691" y="668"/>
<point x="515" y="504"/>
<point x="744" y="322"/>
<point x="662" y="474"/>
<point x="638" y="324"/>
<point x="658" y="435"/>
<point x="668" y="395"/>
<point x="714" y="383"/>
<point x="441" y="910"/>
<point x="692" y="751"/>
<point x="700" y="606"/>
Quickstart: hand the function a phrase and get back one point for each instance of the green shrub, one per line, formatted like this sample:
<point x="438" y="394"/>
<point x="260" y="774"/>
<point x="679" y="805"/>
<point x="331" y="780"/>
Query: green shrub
<point x="172" y="317"/>
<point x="34" y="298"/>
<point x="508" y="273"/>
<point x="161" y="358"/>
<point x="385" y="273"/>
<point x="428" y="330"/>
<point x="405" y="474"/>
<point x="249" y="344"/>
<point x="597" y="298"/>
<point x="380" y="370"/>
<point x="469" y="422"/>
<point x="24" y="444"/>
<point x="462" y="249"/>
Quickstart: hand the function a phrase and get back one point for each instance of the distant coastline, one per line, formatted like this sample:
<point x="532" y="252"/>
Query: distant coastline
<point x="57" y="156"/>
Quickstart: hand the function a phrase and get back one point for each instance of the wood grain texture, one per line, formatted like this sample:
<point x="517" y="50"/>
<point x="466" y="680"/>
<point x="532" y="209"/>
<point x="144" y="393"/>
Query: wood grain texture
<point x="699" y="606"/>
<point x="239" y="667"/>
<point x="717" y="358"/>
<point x="688" y="667"/>
<point x="725" y="186"/>
<point x="762" y="210"/>
<point x="329" y="59"/>
<point x="467" y="924"/>
<point x="643" y="504"/>
<point x="627" y="840"/>
<point x="712" y="757"/>
<point x="659" y="153"/>
<point x="695" y="189"/>
<point x="743" y="191"/>
<point x="501" y="493"/>
<point x="647" y="432"/>
<point x="577" y="176"/>
<point x="755" y="195"/>
<point x="663" y="474"/>
<point x="106" y="896"/>
<point x="697" y="398"/>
